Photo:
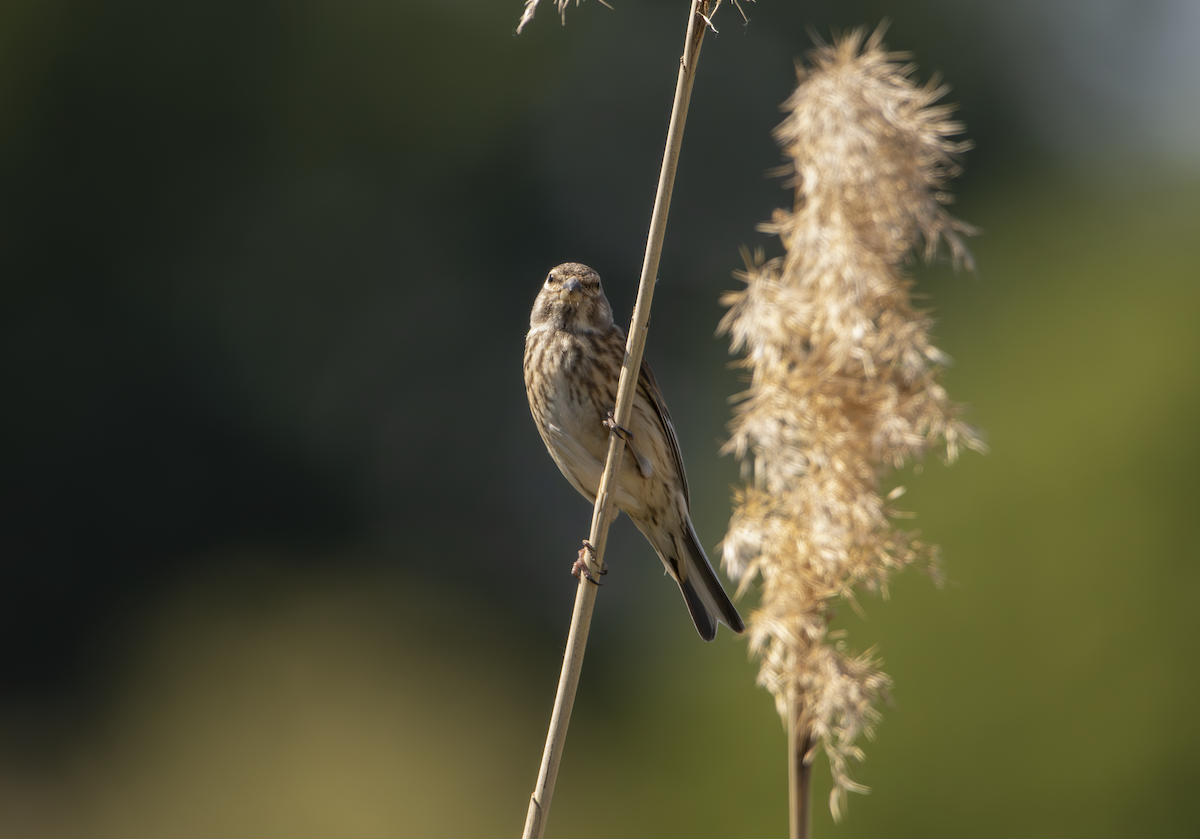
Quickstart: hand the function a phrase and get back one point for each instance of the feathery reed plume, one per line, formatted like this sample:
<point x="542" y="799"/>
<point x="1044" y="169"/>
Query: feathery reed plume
<point x="531" y="8"/>
<point x="844" y="386"/>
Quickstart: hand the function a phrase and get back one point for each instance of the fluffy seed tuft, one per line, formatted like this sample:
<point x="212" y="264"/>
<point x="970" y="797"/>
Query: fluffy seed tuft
<point x="843" y="379"/>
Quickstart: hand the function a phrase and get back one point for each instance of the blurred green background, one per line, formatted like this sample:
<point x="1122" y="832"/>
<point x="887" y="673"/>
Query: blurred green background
<point x="281" y="553"/>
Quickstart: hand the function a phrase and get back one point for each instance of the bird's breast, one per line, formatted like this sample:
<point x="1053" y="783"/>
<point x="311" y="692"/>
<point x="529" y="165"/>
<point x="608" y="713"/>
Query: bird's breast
<point x="578" y="389"/>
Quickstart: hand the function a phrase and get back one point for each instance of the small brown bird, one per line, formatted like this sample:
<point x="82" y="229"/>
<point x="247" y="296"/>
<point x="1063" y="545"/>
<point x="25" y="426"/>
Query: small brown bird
<point x="573" y="357"/>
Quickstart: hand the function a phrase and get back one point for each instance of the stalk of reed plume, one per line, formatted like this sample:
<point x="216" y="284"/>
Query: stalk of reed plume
<point x="843" y="388"/>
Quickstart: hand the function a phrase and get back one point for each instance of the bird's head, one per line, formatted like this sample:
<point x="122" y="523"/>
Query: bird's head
<point x="572" y="299"/>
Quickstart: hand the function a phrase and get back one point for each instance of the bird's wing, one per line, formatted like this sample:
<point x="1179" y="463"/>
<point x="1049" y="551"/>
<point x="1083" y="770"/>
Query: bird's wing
<point x="649" y="386"/>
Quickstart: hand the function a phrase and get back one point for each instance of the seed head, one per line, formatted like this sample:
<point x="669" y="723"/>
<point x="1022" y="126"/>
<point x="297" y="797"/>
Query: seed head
<point x="844" y="382"/>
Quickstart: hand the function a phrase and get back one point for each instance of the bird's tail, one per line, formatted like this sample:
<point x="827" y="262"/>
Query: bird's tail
<point x="706" y="600"/>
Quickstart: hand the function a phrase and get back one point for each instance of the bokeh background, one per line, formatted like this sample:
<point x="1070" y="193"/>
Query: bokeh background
<point x="281" y="553"/>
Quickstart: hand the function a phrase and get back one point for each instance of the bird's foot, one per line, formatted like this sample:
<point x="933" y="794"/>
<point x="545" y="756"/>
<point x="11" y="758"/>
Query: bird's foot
<point x="580" y="564"/>
<point x="590" y="548"/>
<point x="610" y="421"/>
<point x="625" y="434"/>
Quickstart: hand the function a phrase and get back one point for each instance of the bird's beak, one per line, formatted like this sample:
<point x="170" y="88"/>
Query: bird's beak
<point x="572" y="291"/>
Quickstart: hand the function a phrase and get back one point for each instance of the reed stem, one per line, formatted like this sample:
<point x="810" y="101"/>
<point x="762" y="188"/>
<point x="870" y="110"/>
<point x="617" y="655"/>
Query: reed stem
<point x="602" y="513"/>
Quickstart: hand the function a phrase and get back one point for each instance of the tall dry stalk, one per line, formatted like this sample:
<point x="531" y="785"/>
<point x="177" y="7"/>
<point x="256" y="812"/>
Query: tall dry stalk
<point x="699" y="15"/>
<point x="844" y="388"/>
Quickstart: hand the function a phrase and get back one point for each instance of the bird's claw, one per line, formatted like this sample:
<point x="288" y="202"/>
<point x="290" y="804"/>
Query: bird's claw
<point x="590" y="548"/>
<point x="580" y="565"/>
<point x="610" y="421"/>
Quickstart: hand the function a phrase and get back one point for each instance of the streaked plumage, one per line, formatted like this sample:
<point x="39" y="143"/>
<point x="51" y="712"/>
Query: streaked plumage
<point x="573" y="356"/>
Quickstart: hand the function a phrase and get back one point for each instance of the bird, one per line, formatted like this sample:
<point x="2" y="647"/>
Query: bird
<point x="573" y="357"/>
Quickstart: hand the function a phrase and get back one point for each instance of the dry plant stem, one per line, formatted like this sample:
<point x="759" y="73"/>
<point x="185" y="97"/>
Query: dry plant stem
<point x="799" y="773"/>
<point x="602" y="514"/>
